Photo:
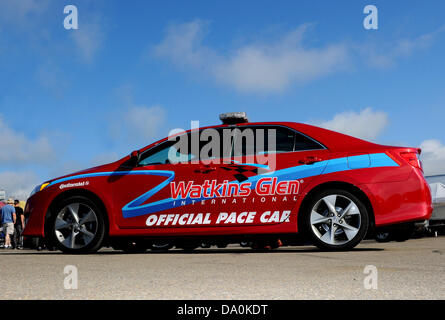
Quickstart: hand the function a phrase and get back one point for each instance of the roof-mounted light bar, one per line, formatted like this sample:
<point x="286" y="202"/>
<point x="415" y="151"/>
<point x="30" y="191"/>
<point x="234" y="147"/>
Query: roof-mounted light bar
<point x="233" y="117"/>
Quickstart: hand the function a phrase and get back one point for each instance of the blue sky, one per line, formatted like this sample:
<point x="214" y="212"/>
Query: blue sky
<point x="134" y="70"/>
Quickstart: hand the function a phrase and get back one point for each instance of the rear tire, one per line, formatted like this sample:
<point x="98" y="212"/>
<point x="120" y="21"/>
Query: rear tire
<point x="76" y="226"/>
<point x="335" y="219"/>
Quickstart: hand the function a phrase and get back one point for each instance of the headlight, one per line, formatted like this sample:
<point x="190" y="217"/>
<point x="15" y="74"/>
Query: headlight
<point x="40" y="187"/>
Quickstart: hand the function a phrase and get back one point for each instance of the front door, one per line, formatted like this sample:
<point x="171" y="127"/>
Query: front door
<point x="161" y="194"/>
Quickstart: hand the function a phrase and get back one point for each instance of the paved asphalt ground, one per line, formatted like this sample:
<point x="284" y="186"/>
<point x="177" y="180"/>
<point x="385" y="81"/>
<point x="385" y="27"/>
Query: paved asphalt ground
<point x="414" y="269"/>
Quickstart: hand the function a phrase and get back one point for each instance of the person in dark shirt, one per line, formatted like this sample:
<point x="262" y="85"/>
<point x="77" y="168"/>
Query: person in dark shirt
<point x="19" y="225"/>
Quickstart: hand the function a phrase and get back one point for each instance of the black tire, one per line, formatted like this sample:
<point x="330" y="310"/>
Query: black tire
<point x="205" y="245"/>
<point x="161" y="246"/>
<point x="94" y="242"/>
<point x="342" y="240"/>
<point x="245" y="244"/>
<point x="383" y="236"/>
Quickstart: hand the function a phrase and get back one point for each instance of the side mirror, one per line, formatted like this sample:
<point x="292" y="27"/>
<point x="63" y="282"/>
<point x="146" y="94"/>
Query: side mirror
<point x="134" y="158"/>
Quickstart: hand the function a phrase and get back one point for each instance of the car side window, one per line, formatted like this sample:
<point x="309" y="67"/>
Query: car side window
<point x="285" y="139"/>
<point x="167" y="152"/>
<point x="180" y="150"/>
<point x="260" y="142"/>
<point x="242" y="141"/>
<point x="304" y="143"/>
<point x="156" y="155"/>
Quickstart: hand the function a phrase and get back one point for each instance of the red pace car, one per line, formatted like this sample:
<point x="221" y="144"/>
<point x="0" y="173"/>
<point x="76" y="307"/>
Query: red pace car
<point x="324" y="187"/>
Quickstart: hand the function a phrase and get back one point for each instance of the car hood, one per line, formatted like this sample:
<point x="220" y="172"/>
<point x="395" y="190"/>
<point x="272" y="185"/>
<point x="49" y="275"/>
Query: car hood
<point x="109" y="167"/>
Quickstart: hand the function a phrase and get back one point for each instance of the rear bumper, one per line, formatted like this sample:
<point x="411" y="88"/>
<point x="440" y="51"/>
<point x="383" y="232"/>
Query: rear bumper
<point x="402" y="201"/>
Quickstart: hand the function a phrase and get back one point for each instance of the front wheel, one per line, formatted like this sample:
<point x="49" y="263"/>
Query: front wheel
<point x="336" y="220"/>
<point x="76" y="226"/>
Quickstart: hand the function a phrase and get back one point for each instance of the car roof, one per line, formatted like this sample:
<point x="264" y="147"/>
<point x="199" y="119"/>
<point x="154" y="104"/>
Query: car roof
<point x="333" y="140"/>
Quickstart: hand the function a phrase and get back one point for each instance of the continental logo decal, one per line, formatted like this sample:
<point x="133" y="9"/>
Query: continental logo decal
<point x="74" y="185"/>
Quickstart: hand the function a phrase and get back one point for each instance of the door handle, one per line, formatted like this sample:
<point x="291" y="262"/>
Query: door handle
<point x="310" y="160"/>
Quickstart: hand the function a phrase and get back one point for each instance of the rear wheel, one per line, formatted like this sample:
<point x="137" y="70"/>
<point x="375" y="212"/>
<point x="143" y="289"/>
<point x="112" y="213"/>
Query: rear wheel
<point x="336" y="220"/>
<point x="77" y="226"/>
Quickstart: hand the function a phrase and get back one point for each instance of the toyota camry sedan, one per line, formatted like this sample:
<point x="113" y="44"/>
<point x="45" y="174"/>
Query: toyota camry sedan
<point x="267" y="184"/>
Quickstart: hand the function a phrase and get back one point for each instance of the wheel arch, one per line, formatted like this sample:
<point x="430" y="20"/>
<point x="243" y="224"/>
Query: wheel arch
<point x="79" y="192"/>
<point x="359" y="193"/>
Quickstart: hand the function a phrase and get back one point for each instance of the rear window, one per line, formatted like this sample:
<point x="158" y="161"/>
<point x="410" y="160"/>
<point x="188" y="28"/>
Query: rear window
<point x="260" y="139"/>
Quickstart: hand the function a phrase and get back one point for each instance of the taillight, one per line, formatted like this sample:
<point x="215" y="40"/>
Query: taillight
<point x="412" y="159"/>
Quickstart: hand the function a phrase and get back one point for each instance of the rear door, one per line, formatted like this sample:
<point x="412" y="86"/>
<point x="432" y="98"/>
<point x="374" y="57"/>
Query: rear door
<point x="272" y="161"/>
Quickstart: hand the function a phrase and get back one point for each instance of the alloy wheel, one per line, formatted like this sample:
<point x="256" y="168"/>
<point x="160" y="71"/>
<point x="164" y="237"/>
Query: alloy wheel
<point x="76" y="225"/>
<point x="335" y="219"/>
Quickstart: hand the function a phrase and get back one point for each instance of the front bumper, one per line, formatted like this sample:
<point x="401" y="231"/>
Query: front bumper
<point x="35" y="209"/>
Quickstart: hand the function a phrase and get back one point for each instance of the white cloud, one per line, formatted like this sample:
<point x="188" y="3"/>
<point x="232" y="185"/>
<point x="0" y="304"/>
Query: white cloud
<point x="275" y="66"/>
<point x="254" y="67"/>
<point x="183" y="45"/>
<point x="21" y="12"/>
<point x="89" y="38"/>
<point x="16" y="148"/>
<point x="30" y="17"/>
<point x="144" y="122"/>
<point x="18" y="185"/>
<point x="367" y="124"/>
<point x="433" y="157"/>
<point x="384" y="56"/>
<point x="136" y="126"/>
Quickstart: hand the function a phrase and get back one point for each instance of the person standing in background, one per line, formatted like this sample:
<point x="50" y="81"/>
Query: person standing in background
<point x="19" y="225"/>
<point x="2" y="234"/>
<point x="8" y="219"/>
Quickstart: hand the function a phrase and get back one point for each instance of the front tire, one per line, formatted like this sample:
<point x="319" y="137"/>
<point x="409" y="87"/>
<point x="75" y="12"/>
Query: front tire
<point x="161" y="246"/>
<point x="335" y="220"/>
<point x="76" y="226"/>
